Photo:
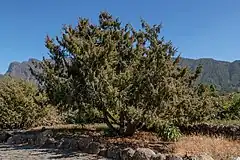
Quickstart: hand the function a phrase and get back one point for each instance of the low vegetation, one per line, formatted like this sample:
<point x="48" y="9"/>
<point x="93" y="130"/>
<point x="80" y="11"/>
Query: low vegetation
<point x="21" y="105"/>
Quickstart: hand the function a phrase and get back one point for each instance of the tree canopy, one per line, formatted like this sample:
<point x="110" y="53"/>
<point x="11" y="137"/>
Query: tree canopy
<point x="131" y="76"/>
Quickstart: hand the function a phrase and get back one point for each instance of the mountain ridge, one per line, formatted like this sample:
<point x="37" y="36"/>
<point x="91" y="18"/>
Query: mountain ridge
<point x="223" y="74"/>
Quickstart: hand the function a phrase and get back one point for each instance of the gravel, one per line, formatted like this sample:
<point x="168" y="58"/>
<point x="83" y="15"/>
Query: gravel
<point x="27" y="153"/>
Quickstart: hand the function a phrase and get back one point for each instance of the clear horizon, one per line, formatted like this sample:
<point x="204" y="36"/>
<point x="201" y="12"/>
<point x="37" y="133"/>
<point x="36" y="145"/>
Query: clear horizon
<point x="200" y="29"/>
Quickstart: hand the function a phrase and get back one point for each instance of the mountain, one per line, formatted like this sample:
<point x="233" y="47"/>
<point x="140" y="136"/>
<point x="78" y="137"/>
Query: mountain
<point x="22" y="70"/>
<point x="225" y="75"/>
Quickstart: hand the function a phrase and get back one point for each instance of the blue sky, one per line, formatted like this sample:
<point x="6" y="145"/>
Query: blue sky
<point x="199" y="28"/>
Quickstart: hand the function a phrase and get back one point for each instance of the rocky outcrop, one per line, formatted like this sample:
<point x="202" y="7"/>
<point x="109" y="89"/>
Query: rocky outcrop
<point x="22" y="70"/>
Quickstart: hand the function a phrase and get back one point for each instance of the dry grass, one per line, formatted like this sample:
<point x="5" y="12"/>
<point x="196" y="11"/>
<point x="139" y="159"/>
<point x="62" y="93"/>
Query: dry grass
<point x="99" y="126"/>
<point x="218" y="148"/>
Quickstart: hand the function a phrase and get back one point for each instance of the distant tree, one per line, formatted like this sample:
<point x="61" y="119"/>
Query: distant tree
<point x="129" y="75"/>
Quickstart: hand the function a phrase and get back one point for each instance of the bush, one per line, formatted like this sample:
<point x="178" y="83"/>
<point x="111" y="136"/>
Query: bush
<point x="20" y="104"/>
<point x="169" y="132"/>
<point x="230" y="109"/>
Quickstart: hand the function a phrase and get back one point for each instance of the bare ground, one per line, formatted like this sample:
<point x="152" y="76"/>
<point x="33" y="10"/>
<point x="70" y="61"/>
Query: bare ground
<point x="27" y="153"/>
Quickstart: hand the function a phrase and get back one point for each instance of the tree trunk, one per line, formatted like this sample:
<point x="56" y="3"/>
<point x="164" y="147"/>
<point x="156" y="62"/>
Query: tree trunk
<point x="109" y="124"/>
<point x="131" y="129"/>
<point x="122" y="123"/>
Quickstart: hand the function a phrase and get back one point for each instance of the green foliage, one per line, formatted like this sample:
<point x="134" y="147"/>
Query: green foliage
<point x="19" y="103"/>
<point x="169" y="132"/>
<point x="92" y="115"/>
<point x="230" y="107"/>
<point x="124" y="72"/>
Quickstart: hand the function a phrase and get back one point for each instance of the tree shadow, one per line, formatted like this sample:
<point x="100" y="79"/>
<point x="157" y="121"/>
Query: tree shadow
<point x="53" y="153"/>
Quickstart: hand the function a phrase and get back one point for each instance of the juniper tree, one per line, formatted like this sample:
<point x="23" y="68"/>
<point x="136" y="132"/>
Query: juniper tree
<point x="131" y="76"/>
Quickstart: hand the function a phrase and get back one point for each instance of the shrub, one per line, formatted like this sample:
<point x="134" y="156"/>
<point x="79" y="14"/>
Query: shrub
<point x="230" y="109"/>
<point x="19" y="103"/>
<point x="169" y="132"/>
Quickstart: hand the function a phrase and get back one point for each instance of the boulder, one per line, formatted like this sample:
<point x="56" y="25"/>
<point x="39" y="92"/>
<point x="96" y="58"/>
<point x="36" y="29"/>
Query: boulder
<point x="127" y="154"/>
<point x="4" y="136"/>
<point x="64" y="143"/>
<point x="113" y="153"/>
<point x="93" y="148"/>
<point x="173" y="157"/>
<point x="158" y="156"/>
<point x="190" y="158"/>
<point x="43" y="136"/>
<point x="15" y="139"/>
<point x="204" y="157"/>
<point x="143" y="154"/>
<point x="31" y="139"/>
<point x="103" y="152"/>
<point x="49" y="143"/>
<point x="83" y="142"/>
<point x="74" y="144"/>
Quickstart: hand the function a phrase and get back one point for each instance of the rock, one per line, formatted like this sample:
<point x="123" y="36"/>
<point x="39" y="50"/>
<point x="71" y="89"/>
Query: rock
<point x="143" y="154"/>
<point x="127" y="154"/>
<point x="31" y="139"/>
<point x="103" y="153"/>
<point x="64" y="143"/>
<point x="15" y="139"/>
<point x="236" y="158"/>
<point x="158" y="156"/>
<point x="198" y="157"/>
<point x="113" y="153"/>
<point x="43" y="136"/>
<point x="49" y="143"/>
<point x="173" y="157"/>
<point x="204" y="157"/>
<point x="190" y="158"/>
<point x="68" y="144"/>
<point x="93" y="148"/>
<point x="74" y="145"/>
<point x="83" y="142"/>
<point x="4" y="136"/>
<point x="10" y="141"/>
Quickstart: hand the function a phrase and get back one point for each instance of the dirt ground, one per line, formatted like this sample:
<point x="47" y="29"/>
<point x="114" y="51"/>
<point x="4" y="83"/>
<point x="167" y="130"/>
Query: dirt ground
<point x="24" y="153"/>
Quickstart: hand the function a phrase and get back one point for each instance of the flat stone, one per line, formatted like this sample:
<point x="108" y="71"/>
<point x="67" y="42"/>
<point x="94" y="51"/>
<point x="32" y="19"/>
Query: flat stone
<point x="127" y="154"/>
<point x="173" y="157"/>
<point x="93" y="148"/>
<point x="143" y="154"/>
<point x="158" y="156"/>
<point x="113" y="153"/>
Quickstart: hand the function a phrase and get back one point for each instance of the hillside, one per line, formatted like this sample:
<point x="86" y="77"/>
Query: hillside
<point x="225" y="75"/>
